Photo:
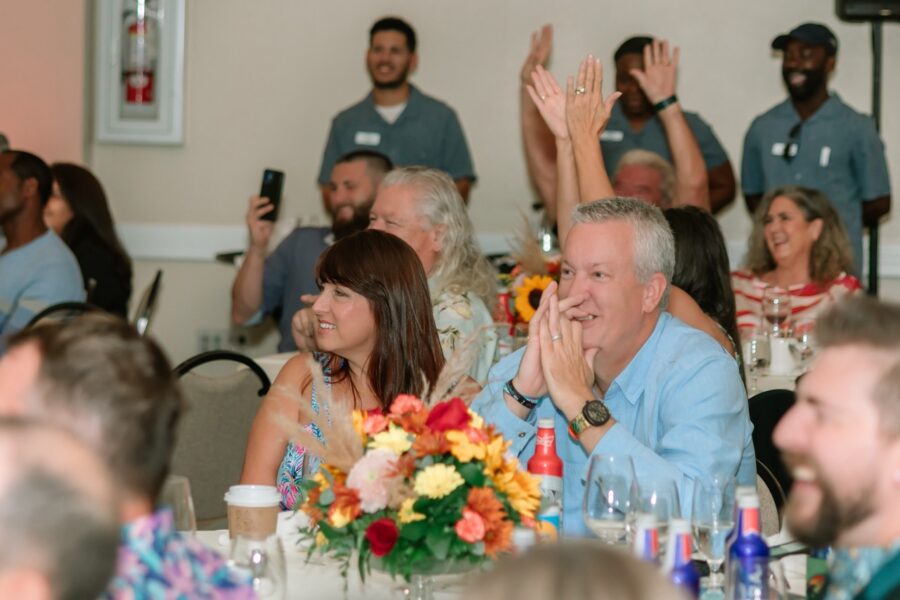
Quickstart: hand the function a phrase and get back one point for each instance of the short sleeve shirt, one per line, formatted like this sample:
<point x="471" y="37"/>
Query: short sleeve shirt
<point x="838" y="152"/>
<point x="290" y="272"/>
<point x="426" y="133"/>
<point x="619" y="138"/>
<point x="39" y="274"/>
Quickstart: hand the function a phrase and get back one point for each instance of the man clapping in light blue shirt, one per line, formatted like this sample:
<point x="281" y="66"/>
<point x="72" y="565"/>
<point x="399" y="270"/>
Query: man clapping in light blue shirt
<point x="616" y="373"/>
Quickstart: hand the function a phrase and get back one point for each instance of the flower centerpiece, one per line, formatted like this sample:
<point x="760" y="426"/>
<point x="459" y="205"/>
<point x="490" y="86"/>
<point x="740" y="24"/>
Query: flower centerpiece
<point x="432" y="487"/>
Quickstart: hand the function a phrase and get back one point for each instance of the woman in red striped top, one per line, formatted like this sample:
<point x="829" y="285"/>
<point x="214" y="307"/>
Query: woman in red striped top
<point x="798" y="244"/>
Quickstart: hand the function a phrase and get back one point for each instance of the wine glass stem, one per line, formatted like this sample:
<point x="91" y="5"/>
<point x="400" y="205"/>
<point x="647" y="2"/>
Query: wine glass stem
<point x="716" y="580"/>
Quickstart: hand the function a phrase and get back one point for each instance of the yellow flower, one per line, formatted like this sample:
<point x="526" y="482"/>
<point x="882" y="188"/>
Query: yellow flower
<point x="321" y="540"/>
<point x="522" y="489"/>
<point x="394" y="439"/>
<point x="493" y="455"/>
<point x="321" y="480"/>
<point x="528" y="295"/>
<point x="463" y="448"/>
<point x="341" y="517"/>
<point x="358" y="420"/>
<point x="406" y="514"/>
<point x="437" y="481"/>
<point x="476" y="422"/>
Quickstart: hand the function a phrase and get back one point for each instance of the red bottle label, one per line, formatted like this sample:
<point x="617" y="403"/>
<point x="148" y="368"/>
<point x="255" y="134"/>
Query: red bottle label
<point x="545" y="460"/>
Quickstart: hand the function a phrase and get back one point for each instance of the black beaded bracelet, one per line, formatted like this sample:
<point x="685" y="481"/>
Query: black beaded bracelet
<point x="510" y="389"/>
<point x="662" y="104"/>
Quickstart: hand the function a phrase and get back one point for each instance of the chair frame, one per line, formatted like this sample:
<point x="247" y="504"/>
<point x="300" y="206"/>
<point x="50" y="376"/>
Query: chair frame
<point x="213" y="355"/>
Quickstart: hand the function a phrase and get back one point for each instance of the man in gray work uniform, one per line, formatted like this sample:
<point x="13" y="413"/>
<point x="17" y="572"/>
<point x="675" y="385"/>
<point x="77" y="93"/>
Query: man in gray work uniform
<point x="395" y="118"/>
<point x="815" y="140"/>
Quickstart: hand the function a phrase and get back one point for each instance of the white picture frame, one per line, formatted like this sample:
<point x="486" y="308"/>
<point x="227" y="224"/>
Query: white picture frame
<point x="151" y="111"/>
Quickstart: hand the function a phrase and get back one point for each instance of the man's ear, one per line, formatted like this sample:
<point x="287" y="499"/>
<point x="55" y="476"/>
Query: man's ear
<point x="413" y="62"/>
<point x="653" y="292"/>
<point x="830" y="64"/>
<point x="29" y="187"/>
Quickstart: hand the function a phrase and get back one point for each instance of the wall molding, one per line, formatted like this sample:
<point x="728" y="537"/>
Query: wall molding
<point x="201" y="243"/>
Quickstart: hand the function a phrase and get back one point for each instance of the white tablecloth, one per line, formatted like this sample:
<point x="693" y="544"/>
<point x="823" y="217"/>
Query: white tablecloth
<point x="322" y="578"/>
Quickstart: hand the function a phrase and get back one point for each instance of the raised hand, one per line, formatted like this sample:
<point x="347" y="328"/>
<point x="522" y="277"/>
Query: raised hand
<point x="541" y="44"/>
<point x="550" y="101"/>
<point x="587" y="112"/>
<point x="260" y="230"/>
<point x="658" y="78"/>
<point x="567" y="367"/>
<point x="303" y="325"/>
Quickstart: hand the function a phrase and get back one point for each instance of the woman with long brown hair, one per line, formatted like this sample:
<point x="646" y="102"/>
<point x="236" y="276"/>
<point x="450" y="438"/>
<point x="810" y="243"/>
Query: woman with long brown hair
<point x="376" y="338"/>
<point x="79" y="214"/>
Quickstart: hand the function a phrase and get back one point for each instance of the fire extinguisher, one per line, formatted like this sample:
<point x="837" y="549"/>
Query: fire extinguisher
<point x="140" y="52"/>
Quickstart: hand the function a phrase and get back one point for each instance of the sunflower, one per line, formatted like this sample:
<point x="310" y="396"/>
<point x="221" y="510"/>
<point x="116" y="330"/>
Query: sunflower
<point x="528" y="295"/>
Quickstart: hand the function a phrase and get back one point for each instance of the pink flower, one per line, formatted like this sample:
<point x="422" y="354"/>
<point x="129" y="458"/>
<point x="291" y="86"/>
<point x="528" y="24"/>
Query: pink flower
<point x="369" y="477"/>
<point x="406" y="403"/>
<point x="470" y="528"/>
<point x="375" y="423"/>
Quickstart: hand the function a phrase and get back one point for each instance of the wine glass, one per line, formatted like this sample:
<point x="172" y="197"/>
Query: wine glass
<point x="176" y="493"/>
<point x="712" y="517"/>
<point x="659" y="497"/>
<point x="804" y="335"/>
<point x="262" y="561"/>
<point x="610" y="497"/>
<point x="776" y="311"/>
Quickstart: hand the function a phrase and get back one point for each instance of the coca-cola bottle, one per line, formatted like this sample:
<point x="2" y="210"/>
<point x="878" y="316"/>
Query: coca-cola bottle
<point x="546" y="464"/>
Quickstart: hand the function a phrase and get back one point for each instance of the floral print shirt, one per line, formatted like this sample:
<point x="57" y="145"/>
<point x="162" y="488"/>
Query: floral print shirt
<point x="458" y="316"/>
<point x="158" y="563"/>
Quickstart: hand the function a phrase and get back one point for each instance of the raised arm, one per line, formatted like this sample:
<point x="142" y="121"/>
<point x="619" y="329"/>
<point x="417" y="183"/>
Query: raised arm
<point x="587" y="114"/>
<point x="247" y="290"/>
<point x="537" y="139"/>
<point x="657" y="80"/>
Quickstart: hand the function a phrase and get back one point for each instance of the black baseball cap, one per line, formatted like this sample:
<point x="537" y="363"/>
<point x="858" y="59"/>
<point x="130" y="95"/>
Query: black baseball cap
<point x="814" y="34"/>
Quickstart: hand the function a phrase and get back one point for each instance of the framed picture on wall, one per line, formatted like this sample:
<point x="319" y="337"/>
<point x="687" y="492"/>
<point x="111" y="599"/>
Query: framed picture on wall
<point x="139" y="71"/>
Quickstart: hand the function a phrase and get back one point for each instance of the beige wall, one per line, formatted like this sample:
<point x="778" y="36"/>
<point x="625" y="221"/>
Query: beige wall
<point x="42" y="106"/>
<point x="265" y="77"/>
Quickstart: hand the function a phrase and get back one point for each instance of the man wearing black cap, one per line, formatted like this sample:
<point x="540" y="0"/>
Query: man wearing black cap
<point x="813" y="139"/>
<point x="636" y="123"/>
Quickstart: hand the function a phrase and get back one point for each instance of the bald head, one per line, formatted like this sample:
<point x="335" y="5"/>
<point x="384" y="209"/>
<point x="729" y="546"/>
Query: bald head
<point x="50" y="483"/>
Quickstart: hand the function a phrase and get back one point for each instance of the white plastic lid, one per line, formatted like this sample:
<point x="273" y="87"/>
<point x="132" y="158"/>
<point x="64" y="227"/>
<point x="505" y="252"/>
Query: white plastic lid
<point x="679" y="526"/>
<point x="748" y="501"/>
<point x="545" y="423"/>
<point x="253" y="495"/>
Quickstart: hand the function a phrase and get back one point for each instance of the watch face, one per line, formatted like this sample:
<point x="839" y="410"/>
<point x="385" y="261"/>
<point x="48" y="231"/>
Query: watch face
<point x="596" y="412"/>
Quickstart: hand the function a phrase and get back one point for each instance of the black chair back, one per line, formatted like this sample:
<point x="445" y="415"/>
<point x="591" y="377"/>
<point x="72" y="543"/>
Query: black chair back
<point x="64" y="311"/>
<point x="766" y="409"/>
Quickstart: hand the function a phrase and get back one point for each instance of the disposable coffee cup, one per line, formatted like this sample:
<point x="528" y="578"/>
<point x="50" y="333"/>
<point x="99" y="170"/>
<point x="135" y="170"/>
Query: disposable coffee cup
<point x="781" y="361"/>
<point x="252" y="510"/>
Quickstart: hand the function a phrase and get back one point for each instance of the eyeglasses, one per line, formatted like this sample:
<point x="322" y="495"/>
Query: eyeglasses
<point x="790" y="148"/>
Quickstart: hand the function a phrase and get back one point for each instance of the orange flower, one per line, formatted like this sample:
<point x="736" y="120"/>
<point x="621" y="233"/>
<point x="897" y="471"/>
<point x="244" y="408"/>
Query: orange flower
<point x="345" y="507"/>
<point x="430" y="443"/>
<point x="405" y="404"/>
<point x="310" y="508"/>
<point x="405" y="466"/>
<point x="498" y="539"/>
<point x="484" y="502"/>
<point x="413" y="423"/>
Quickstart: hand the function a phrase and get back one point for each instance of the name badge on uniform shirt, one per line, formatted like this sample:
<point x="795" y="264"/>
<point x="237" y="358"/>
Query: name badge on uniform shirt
<point x="824" y="156"/>
<point x="611" y="135"/>
<point x="367" y="138"/>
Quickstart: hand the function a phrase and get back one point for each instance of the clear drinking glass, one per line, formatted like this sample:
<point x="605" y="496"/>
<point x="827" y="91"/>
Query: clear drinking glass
<point x="776" y="311"/>
<point x="756" y="358"/>
<point x="757" y="578"/>
<point x="610" y="497"/>
<point x="659" y="497"/>
<point x="176" y="493"/>
<point x="712" y="519"/>
<point x="804" y="335"/>
<point x="263" y="562"/>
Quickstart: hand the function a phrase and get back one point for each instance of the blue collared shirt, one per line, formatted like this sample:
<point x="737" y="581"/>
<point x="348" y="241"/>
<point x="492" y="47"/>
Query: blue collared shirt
<point x="680" y="410"/>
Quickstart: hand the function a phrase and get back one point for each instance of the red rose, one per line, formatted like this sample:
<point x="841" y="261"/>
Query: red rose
<point x="451" y="414"/>
<point x="382" y="535"/>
